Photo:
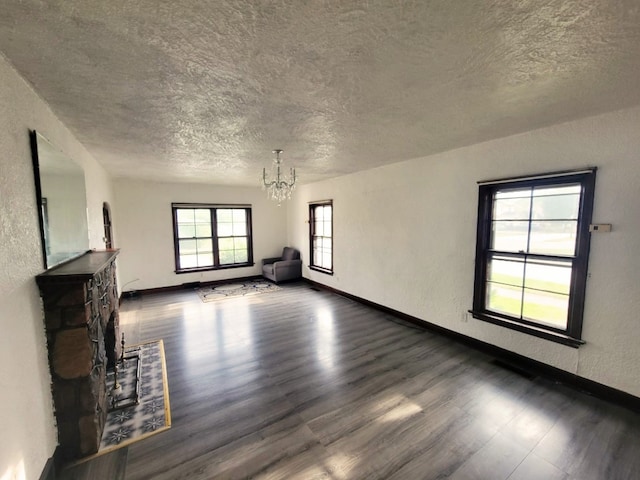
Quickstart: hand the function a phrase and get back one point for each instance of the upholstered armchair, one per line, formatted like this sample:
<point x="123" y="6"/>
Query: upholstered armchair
<point x="286" y="267"/>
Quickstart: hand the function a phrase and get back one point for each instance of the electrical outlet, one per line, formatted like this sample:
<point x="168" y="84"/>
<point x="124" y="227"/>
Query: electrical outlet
<point x="465" y="317"/>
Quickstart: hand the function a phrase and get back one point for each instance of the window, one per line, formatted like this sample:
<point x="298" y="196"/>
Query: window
<point x="321" y="236"/>
<point x="209" y="237"/>
<point x="532" y="252"/>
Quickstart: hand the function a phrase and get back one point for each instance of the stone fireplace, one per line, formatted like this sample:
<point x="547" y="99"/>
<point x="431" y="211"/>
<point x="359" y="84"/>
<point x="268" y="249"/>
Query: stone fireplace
<point x="80" y="301"/>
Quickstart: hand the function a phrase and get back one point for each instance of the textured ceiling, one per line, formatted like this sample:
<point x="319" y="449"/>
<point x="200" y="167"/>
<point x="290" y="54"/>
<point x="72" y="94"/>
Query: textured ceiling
<point x="204" y="90"/>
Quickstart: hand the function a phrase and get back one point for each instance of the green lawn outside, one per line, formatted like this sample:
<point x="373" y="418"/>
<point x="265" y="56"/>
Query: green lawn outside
<point x="538" y="284"/>
<point x="552" y="312"/>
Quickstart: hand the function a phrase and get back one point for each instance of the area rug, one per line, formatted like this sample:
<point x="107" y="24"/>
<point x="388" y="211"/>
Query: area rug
<point x="152" y="414"/>
<point x="218" y="292"/>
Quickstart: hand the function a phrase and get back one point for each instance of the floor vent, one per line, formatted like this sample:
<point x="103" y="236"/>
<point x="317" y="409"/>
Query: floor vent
<point x="513" y="368"/>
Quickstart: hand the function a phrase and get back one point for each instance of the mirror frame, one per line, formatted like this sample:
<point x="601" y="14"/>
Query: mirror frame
<point x="35" y="155"/>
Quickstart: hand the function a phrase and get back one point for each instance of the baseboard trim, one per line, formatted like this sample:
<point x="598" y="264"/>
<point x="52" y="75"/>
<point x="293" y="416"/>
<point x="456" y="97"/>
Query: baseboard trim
<point x="49" y="470"/>
<point x="184" y="286"/>
<point x="527" y="364"/>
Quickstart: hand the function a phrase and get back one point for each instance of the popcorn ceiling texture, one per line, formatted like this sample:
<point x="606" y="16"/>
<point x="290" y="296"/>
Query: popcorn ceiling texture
<point x="204" y="90"/>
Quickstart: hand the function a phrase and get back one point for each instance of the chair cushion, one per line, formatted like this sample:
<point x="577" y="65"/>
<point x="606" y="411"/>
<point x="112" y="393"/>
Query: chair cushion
<point x="289" y="253"/>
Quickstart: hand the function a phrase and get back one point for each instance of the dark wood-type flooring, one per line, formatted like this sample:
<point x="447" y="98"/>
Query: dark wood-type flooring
<point x="306" y="384"/>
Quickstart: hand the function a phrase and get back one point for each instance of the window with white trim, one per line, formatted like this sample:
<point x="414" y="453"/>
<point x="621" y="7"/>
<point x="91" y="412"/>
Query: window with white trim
<point x="532" y="253"/>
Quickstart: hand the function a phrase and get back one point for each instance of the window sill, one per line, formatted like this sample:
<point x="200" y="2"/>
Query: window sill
<point x="321" y="270"/>
<point x="208" y="269"/>
<point x="540" y="332"/>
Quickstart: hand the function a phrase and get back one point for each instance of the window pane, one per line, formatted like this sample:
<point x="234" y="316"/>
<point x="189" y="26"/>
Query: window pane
<point x="507" y="271"/>
<point x="318" y="227"/>
<point x="317" y="251"/>
<point x="193" y="223"/>
<point x="224" y="215"/>
<point x="188" y="261"/>
<point x="327" y="229"/>
<point x="239" y="229"/>
<point x="239" y="215"/>
<point x="240" y="243"/>
<point x="205" y="245"/>
<point x="563" y="207"/>
<point x="203" y="230"/>
<point x="187" y="247"/>
<point x="546" y="308"/>
<point x="504" y="299"/>
<point x="225" y="229"/>
<point x="226" y="257"/>
<point x="326" y="260"/>
<point x="203" y="215"/>
<point x="509" y="236"/>
<point x="550" y="276"/>
<point x="327" y="213"/>
<point x="553" y="237"/>
<point x="241" y="256"/>
<point x="185" y="215"/>
<point x="205" y="259"/>
<point x="511" y="208"/>
<point x="569" y="189"/>
<point x="225" y="243"/>
<point x="513" y="193"/>
<point x="186" y="231"/>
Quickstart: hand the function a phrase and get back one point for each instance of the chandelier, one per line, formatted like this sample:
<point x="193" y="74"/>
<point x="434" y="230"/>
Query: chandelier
<point x="278" y="188"/>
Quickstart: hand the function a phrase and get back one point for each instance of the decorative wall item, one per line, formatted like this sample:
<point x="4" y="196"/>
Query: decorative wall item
<point x="62" y="200"/>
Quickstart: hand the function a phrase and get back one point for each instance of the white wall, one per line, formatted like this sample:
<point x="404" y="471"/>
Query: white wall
<point x="405" y="238"/>
<point x="28" y="434"/>
<point x="143" y="215"/>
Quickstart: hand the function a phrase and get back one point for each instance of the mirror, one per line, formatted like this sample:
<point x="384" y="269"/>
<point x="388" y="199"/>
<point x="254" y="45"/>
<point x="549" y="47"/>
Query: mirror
<point x="62" y="197"/>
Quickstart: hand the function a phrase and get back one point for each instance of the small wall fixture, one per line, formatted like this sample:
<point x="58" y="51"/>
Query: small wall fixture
<point x="278" y="188"/>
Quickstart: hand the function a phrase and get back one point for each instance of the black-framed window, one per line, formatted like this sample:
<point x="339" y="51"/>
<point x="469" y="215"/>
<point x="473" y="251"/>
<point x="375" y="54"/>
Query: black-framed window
<point x="210" y="237"/>
<point x="321" y="236"/>
<point x="532" y="253"/>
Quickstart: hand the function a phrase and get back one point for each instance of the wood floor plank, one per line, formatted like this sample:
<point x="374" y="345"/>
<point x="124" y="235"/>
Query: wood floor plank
<point x="304" y="384"/>
<point x="498" y="459"/>
<point x="535" y="468"/>
<point x="111" y="465"/>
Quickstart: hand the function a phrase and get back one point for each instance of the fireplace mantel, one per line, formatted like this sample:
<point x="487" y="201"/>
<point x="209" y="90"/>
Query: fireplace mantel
<point x="80" y="301"/>
<point x="82" y="268"/>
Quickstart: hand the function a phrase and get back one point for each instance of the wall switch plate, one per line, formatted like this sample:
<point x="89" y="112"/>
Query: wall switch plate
<point x="600" y="227"/>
